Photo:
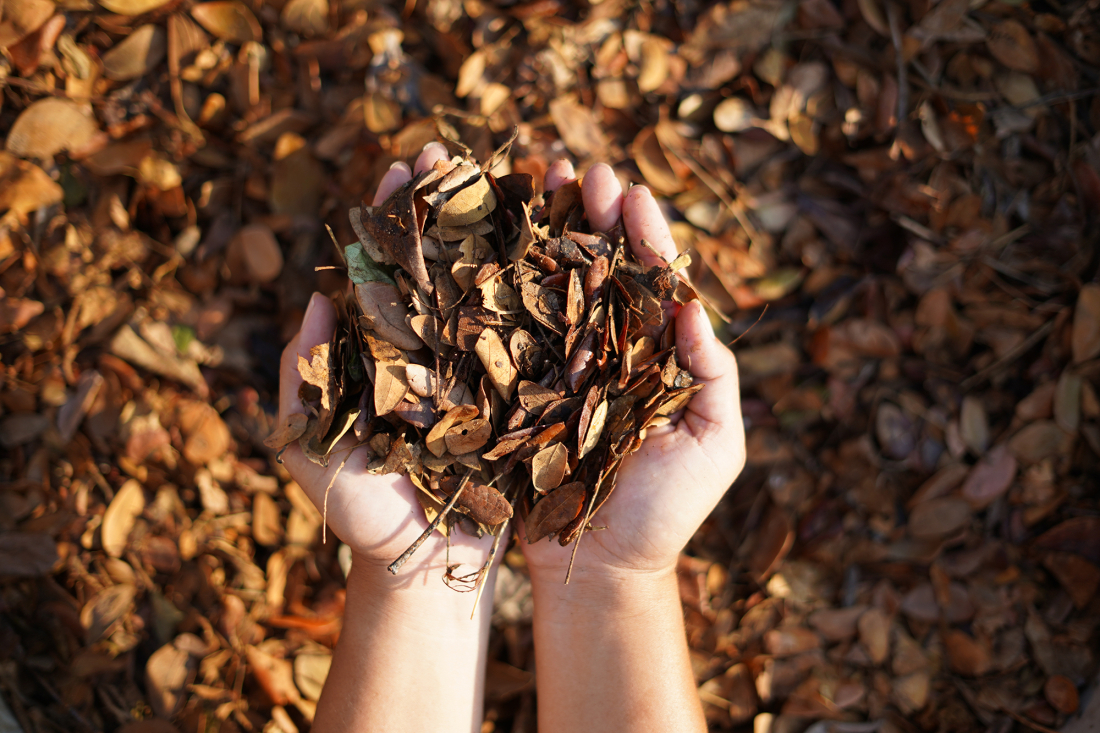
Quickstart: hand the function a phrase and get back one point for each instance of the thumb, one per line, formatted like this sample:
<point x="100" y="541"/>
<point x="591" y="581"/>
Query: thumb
<point x="713" y="417"/>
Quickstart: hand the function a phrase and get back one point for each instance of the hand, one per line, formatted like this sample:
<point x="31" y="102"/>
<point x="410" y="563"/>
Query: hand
<point x="377" y="516"/>
<point x="666" y="489"/>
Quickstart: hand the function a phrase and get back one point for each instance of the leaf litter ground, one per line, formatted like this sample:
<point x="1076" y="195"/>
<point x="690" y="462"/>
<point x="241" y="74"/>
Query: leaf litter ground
<point x="910" y="188"/>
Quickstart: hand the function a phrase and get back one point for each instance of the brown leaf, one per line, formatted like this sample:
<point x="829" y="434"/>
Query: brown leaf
<point x="967" y="656"/>
<point x="1086" y="323"/>
<point x="548" y="467"/>
<point x="166" y="677"/>
<point x="468" y="436"/>
<point x="468" y="205"/>
<point x="310" y="672"/>
<point x="229" y="20"/>
<point x="938" y="517"/>
<point x="23" y="18"/>
<point x="874" y="634"/>
<point x="138" y="54"/>
<point x="484" y="503"/>
<point x="395" y="228"/>
<point x="990" y="478"/>
<point x="50" y="126"/>
<point x="578" y="127"/>
<point x="554" y="511"/>
<point x="118" y="520"/>
<point x="1079" y="535"/>
<point x="390" y="385"/>
<point x="24" y="188"/>
<point x="276" y="676"/>
<point x="307" y="17"/>
<point x="256" y="252"/>
<point x="291" y="429"/>
<point x="1012" y="45"/>
<point x="388" y="314"/>
<point x="429" y="329"/>
<point x="436" y="440"/>
<point x="1061" y="693"/>
<point x="206" y="436"/>
<point x="1077" y="575"/>
<point x="494" y="357"/>
<point x="101" y="613"/>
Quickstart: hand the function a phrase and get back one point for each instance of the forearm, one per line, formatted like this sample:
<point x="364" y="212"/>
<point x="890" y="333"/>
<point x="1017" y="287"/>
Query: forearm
<point x="409" y="657"/>
<point x="611" y="655"/>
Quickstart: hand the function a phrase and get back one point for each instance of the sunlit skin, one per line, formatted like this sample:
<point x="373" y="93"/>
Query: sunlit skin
<point x="610" y="647"/>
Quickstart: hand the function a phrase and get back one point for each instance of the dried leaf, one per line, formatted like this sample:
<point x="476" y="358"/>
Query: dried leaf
<point x="1086" y="323"/>
<point x="118" y="520"/>
<point x="468" y="205"/>
<point x="50" y="126"/>
<point x="1012" y="45"/>
<point x="548" y="467"/>
<point x="595" y="429"/>
<point x="554" y="511"/>
<point x="229" y="20"/>
<point x="291" y="429"/>
<point x="498" y="364"/>
<point x="138" y="54"/>
<point x="484" y="504"/>
<point x="468" y="437"/>
<point x="436" y="439"/>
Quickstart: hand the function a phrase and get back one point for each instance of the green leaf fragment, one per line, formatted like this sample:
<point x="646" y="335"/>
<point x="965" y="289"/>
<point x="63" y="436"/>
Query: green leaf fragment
<point x="362" y="269"/>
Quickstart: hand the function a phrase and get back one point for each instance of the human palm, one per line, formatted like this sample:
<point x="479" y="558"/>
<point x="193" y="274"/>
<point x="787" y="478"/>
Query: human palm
<point x="667" y="488"/>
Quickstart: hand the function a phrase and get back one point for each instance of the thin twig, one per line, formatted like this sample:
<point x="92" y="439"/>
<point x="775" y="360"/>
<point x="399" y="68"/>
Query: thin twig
<point x="577" y="542"/>
<point x="1029" y="722"/>
<point x="1011" y="356"/>
<point x="396" y="564"/>
<point x="754" y="324"/>
<point x="324" y="510"/>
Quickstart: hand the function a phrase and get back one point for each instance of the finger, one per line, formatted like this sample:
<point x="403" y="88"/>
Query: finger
<point x="644" y="219"/>
<point x="318" y="325"/>
<point x="432" y="153"/>
<point x="713" y="416"/>
<point x="603" y="197"/>
<point x="558" y="174"/>
<point x="395" y="177"/>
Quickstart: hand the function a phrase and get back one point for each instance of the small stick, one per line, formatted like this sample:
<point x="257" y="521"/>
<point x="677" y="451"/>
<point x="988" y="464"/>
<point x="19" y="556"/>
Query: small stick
<point x="577" y="542"/>
<point x="396" y="564"/>
<point x="324" y="511"/>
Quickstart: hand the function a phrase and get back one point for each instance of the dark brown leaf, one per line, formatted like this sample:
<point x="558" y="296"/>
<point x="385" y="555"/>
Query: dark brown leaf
<point x="554" y="511"/>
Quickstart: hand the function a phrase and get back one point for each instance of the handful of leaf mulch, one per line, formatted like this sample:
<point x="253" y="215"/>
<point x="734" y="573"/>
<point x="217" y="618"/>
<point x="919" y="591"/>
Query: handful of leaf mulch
<point x="499" y="353"/>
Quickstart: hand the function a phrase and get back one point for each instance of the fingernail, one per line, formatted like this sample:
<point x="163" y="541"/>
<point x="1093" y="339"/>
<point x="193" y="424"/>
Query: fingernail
<point x="435" y="143"/>
<point x="309" y="308"/>
<point x="399" y="164"/>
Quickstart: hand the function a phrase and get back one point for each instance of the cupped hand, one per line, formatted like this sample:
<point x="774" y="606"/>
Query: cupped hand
<point x="378" y="516"/>
<point x="668" y="487"/>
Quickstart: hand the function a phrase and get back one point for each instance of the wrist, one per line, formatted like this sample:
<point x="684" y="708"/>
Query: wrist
<point x="415" y="596"/>
<point x="603" y="591"/>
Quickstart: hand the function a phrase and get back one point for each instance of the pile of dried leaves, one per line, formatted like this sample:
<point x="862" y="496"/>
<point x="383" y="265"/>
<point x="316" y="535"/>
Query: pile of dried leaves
<point x="538" y="352"/>
<point x="911" y="188"/>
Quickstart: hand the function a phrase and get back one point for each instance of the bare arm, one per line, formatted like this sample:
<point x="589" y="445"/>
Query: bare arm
<point x="611" y="655"/>
<point x="409" y="659"/>
<point x="610" y="648"/>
